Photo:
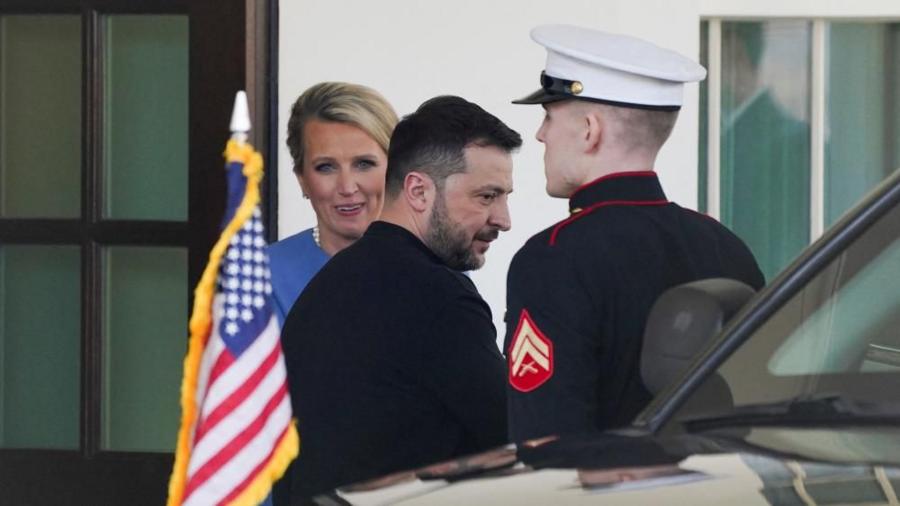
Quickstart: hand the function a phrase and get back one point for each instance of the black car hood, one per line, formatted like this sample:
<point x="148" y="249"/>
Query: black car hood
<point x="759" y="466"/>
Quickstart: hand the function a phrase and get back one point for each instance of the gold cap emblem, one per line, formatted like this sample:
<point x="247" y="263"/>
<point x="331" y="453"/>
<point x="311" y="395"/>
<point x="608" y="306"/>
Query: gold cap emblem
<point x="576" y="87"/>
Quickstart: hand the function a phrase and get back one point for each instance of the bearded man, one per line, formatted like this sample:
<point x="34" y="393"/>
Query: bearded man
<point x="391" y="351"/>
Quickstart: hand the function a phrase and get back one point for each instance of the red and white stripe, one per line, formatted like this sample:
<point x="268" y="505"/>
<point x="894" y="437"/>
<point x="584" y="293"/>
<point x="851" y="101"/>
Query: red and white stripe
<point x="243" y="412"/>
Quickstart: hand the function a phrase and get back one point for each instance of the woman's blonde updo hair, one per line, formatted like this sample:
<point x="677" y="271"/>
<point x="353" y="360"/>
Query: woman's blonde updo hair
<point x="357" y="105"/>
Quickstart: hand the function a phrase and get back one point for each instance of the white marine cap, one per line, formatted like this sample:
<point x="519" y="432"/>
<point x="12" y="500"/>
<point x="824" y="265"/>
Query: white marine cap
<point x="588" y="64"/>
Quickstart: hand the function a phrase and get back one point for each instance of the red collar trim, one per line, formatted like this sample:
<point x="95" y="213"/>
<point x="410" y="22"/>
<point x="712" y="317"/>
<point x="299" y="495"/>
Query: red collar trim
<point x="559" y="226"/>
<point x="614" y="175"/>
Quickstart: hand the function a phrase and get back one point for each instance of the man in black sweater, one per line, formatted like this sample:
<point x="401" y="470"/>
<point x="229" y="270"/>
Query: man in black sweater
<point x="391" y="352"/>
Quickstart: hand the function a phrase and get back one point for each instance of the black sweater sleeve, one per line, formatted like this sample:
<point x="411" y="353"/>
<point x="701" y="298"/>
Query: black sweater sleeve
<point x="465" y="370"/>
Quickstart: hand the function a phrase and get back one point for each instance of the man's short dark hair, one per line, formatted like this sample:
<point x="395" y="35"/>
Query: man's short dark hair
<point x="432" y="139"/>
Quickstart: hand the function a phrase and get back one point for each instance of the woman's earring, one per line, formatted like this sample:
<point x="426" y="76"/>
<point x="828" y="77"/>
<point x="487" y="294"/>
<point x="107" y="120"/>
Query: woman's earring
<point x="306" y="196"/>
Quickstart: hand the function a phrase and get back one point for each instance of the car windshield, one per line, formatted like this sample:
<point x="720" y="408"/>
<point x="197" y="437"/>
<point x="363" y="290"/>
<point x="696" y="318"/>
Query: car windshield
<point x="834" y="346"/>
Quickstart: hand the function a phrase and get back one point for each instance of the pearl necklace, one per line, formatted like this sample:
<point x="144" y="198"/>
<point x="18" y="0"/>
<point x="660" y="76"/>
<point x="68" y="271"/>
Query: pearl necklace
<point x="316" y="236"/>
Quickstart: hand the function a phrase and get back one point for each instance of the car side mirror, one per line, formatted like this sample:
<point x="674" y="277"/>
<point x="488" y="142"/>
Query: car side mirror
<point x="683" y="320"/>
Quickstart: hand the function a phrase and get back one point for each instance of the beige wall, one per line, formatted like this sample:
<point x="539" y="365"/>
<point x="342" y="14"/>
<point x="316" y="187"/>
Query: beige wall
<point x="413" y="50"/>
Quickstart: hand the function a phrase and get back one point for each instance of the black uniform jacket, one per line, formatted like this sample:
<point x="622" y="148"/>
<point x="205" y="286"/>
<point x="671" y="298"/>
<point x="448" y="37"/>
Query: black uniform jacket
<point x="578" y="295"/>
<point x="392" y="364"/>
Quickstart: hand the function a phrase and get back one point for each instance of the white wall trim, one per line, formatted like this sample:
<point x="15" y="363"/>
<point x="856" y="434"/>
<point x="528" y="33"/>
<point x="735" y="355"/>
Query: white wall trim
<point x="817" y="132"/>
<point x="713" y="120"/>
<point x="806" y="9"/>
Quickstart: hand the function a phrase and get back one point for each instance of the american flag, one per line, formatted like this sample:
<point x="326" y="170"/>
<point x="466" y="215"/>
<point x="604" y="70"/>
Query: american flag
<point x="237" y="435"/>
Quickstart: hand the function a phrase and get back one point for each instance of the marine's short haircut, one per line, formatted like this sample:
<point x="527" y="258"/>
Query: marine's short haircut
<point x="432" y="140"/>
<point x="641" y="129"/>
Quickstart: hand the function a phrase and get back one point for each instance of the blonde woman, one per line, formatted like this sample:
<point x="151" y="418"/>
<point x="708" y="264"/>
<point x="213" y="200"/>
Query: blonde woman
<point x="338" y="136"/>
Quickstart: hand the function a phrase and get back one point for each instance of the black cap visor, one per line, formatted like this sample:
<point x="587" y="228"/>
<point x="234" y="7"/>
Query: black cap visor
<point x="552" y="89"/>
<point x="542" y="96"/>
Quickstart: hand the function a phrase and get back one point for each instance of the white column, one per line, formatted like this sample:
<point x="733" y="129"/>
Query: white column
<point x="713" y="120"/>
<point x="817" y="132"/>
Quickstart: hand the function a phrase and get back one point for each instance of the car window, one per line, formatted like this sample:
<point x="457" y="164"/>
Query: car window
<point x="855" y="328"/>
<point x="837" y="336"/>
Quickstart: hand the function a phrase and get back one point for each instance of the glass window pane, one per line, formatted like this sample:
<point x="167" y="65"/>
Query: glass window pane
<point x="40" y="346"/>
<point x="145" y="117"/>
<point x="40" y="116"/>
<point x="145" y="339"/>
<point x="765" y="137"/>
<point x="863" y="91"/>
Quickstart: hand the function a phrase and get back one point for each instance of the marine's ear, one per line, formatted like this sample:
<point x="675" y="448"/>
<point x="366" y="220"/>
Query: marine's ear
<point x="419" y="191"/>
<point x="594" y="129"/>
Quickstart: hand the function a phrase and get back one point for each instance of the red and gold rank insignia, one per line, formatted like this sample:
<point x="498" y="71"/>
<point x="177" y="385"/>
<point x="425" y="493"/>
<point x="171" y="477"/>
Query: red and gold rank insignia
<point x="530" y="356"/>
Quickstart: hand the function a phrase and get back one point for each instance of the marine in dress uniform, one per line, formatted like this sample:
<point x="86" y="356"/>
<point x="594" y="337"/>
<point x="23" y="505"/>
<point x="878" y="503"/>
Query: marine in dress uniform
<point x="579" y="292"/>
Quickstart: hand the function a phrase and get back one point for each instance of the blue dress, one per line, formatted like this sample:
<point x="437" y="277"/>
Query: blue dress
<point x="294" y="261"/>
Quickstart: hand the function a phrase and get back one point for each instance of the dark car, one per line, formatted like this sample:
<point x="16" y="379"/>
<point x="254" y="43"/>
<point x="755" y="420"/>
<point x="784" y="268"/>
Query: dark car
<point x="795" y="401"/>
